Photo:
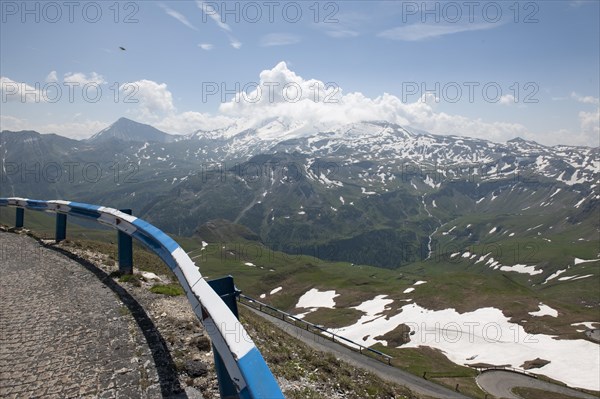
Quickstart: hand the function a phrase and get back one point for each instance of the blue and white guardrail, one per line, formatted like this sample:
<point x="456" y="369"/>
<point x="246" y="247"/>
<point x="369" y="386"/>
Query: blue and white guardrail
<point x="246" y="367"/>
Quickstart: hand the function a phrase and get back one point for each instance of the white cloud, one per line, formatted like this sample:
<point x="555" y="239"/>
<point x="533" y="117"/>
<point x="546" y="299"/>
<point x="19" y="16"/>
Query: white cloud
<point x="12" y="91"/>
<point x="52" y="77"/>
<point x="8" y="122"/>
<point x="585" y="99"/>
<point x="209" y="10"/>
<point x="507" y="99"/>
<point x="206" y="46"/>
<point x="346" y="24"/>
<point x="83" y="79"/>
<point x="236" y="44"/>
<point x="587" y="135"/>
<point x="590" y="123"/>
<point x="151" y="97"/>
<point x="190" y="121"/>
<point x="278" y="39"/>
<point x="280" y="86"/>
<point x="72" y="129"/>
<point x="429" y="98"/>
<point x="177" y="15"/>
<point x="283" y="94"/>
<point x="422" y="31"/>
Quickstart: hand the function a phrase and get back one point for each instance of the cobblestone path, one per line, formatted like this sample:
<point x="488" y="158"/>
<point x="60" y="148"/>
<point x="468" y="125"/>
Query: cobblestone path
<point x="66" y="331"/>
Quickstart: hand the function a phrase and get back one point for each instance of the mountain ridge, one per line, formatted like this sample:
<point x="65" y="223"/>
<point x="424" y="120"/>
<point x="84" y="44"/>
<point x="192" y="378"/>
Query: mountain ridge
<point x="123" y="129"/>
<point x="364" y="192"/>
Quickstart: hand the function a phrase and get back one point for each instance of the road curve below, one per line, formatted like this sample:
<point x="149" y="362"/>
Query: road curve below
<point x="500" y="384"/>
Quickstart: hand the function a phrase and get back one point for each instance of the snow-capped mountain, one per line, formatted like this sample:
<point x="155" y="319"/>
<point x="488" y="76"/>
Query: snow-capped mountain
<point x="351" y="192"/>
<point x="390" y="146"/>
<point x="393" y="146"/>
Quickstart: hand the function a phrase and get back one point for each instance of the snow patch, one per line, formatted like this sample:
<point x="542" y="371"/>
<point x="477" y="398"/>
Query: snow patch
<point x="555" y="275"/>
<point x="430" y="182"/>
<point x="328" y="182"/>
<point x="574" y="277"/>
<point x="364" y="191"/>
<point x="577" y="205"/>
<point x="484" y="336"/>
<point x="536" y="227"/>
<point x="556" y="192"/>
<point x="578" y="261"/>
<point x="524" y="269"/>
<point x="314" y="298"/>
<point x="374" y="306"/>
<point x="588" y="324"/>
<point x="482" y="257"/>
<point x="544" y="310"/>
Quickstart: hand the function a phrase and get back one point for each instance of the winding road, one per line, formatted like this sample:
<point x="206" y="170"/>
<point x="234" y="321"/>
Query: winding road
<point x="500" y="384"/>
<point x="388" y="373"/>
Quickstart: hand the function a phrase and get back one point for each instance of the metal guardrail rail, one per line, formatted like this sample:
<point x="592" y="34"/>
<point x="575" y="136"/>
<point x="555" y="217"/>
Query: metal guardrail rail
<point x="504" y="368"/>
<point x="251" y="302"/>
<point x="247" y="371"/>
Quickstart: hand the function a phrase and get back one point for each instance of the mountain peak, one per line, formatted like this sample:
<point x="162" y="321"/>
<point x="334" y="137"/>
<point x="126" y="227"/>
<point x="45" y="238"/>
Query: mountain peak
<point x="517" y="140"/>
<point x="128" y="130"/>
<point x="122" y="120"/>
<point x="525" y="144"/>
<point x="522" y="140"/>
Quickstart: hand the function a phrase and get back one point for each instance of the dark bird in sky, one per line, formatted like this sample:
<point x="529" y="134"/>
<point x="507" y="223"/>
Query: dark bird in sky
<point x="122" y="48"/>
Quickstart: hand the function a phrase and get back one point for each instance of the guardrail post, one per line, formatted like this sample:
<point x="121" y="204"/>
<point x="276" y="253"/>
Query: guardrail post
<point x="20" y="217"/>
<point x="225" y="288"/>
<point x="125" y="250"/>
<point x="61" y="227"/>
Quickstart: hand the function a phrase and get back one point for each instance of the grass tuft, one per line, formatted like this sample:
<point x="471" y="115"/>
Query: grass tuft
<point x="167" y="289"/>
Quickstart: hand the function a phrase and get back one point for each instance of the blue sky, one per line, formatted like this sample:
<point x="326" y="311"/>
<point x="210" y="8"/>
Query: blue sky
<point x="539" y="63"/>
